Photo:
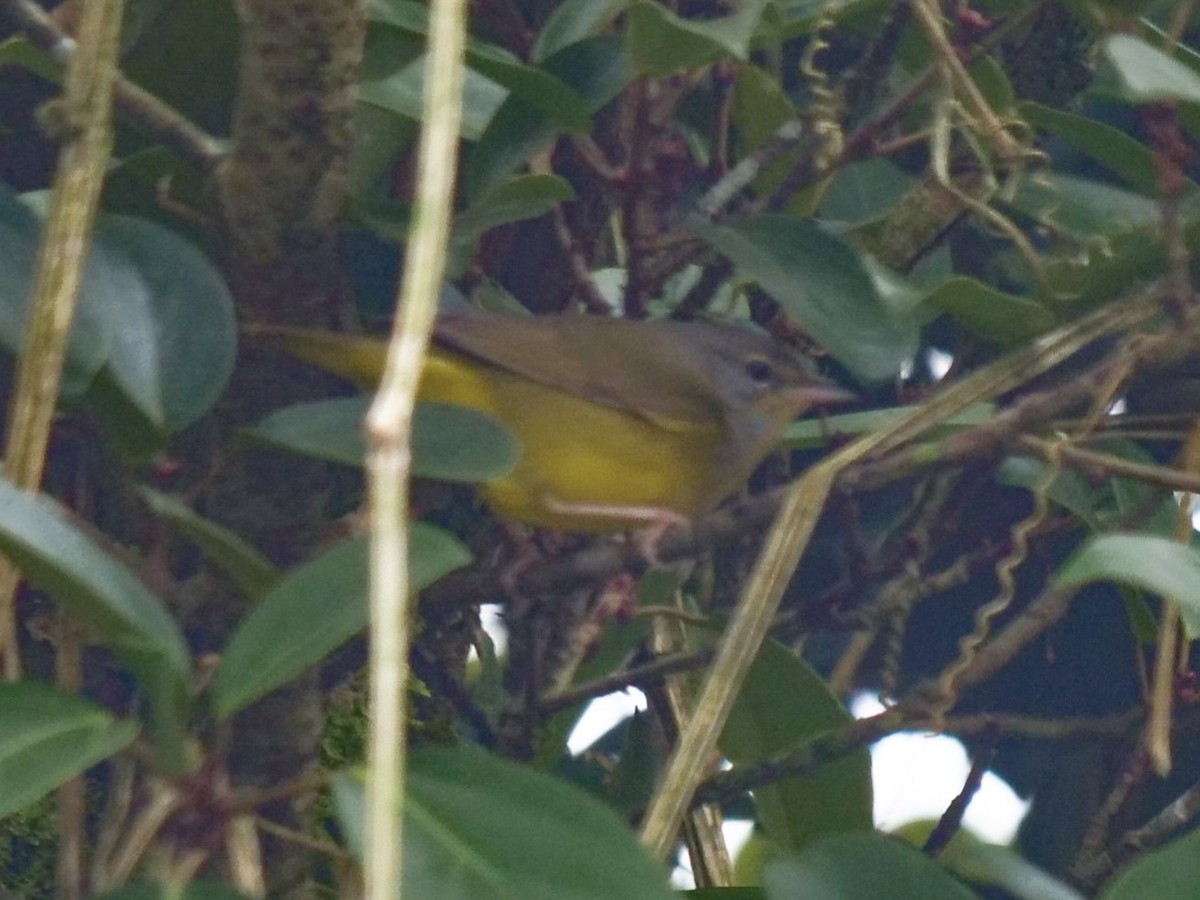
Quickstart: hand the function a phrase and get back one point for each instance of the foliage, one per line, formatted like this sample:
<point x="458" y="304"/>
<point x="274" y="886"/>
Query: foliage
<point x="999" y="200"/>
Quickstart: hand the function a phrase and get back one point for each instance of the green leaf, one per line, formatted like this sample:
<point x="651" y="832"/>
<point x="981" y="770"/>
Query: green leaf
<point x="661" y="42"/>
<point x="1155" y="564"/>
<point x="783" y="704"/>
<point x="1170" y="873"/>
<point x="538" y="88"/>
<point x="252" y="572"/>
<point x="480" y="826"/>
<point x="518" y="198"/>
<point x="313" y="611"/>
<point x="1117" y="151"/>
<point x="597" y="69"/>
<point x="48" y="737"/>
<point x="990" y="864"/>
<point x="100" y="592"/>
<point x="394" y="80"/>
<point x="758" y="106"/>
<point x="174" y="335"/>
<point x="865" y="191"/>
<point x="992" y="314"/>
<point x="574" y="20"/>
<point x="1139" y="73"/>
<point x="820" y="280"/>
<point x="450" y="443"/>
<point x="1068" y="490"/>
<point x="1084" y="207"/>
<point x="816" y="432"/>
<point x="20" y="236"/>
<point x="853" y="867"/>
<point x="17" y="51"/>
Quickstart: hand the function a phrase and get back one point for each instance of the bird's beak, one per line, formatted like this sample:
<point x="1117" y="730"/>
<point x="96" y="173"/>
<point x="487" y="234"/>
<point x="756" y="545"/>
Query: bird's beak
<point x="823" y="394"/>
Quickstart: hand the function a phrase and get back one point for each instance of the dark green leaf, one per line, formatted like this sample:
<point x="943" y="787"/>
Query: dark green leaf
<point x="20" y="236"/>
<point x="1121" y="154"/>
<point x="394" y="80"/>
<point x="480" y="826"/>
<point x="990" y="864"/>
<point x="597" y="69"/>
<point x="992" y="314"/>
<point x="18" y="51"/>
<point x="661" y="42"/>
<point x="48" y="737"/>
<point x="173" y="331"/>
<point x="783" y="704"/>
<point x="573" y="21"/>
<point x="518" y="198"/>
<point x="854" y="867"/>
<point x="1085" y="208"/>
<point x="100" y="592"/>
<point x="450" y="443"/>
<point x="1156" y="564"/>
<point x="1171" y="873"/>
<point x="820" y="280"/>
<point x="816" y="432"/>
<point x="536" y="87"/>
<point x="313" y="611"/>
<point x="1068" y="490"/>
<point x="865" y="191"/>
<point x="245" y="566"/>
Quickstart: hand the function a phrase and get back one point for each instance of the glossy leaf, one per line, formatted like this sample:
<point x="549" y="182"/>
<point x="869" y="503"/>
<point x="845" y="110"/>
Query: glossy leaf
<point x="661" y="42"/>
<point x="1142" y="73"/>
<point x="783" y="704"/>
<point x="48" y="737"/>
<point x="993" y="865"/>
<point x="537" y="87"/>
<point x="173" y="331"/>
<point x="313" y="611"/>
<point x="394" y="80"/>
<point x="450" y="443"/>
<point x="252" y="572"/>
<point x="20" y="236"/>
<point x="1170" y="873"/>
<point x="1068" y="490"/>
<point x="1084" y="207"/>
<point x="1117" y="151"/>
<point x="758" y="106"/>
<point x="103" y="594"/>
<point x="817" y="432"/>
<point x="480" y="826"/>
<point x="820" y="280"/>
<point x="851" y="867"/>
<point x="518" y="198"/>
<point x="865" y="191"/>
<point x="992" y="314"/>
<point x="574" y="20"/>
<point x="597" y="69"/>
<point x="1156" y="564"/>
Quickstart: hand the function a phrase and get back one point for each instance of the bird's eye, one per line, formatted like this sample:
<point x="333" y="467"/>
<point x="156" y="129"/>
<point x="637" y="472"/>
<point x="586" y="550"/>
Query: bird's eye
<point x="760" y="371"/>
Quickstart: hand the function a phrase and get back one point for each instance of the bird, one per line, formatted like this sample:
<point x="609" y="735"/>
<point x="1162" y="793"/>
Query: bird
<point x="622" y="423"/>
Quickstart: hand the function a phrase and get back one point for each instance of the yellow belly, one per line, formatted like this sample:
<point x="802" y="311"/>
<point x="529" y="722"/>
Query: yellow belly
<point x="578" y="455"/>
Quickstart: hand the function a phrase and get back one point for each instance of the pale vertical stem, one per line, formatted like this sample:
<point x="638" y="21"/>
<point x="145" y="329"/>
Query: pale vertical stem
<point x="86" y="123"/>
<point x="389" y="426"/>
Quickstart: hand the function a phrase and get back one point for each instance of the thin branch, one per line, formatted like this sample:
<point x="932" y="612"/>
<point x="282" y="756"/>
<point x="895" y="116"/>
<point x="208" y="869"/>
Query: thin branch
<point x="86" y="119"/>
<point x="137" y="106"/>
<point x="389" y="460"/>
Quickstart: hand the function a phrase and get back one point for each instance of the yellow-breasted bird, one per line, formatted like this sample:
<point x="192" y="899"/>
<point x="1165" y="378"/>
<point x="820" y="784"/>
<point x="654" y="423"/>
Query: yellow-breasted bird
<point x="621" y="423"/>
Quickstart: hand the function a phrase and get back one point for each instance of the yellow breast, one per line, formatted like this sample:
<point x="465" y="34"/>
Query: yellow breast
<point x="578" y="455"/>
